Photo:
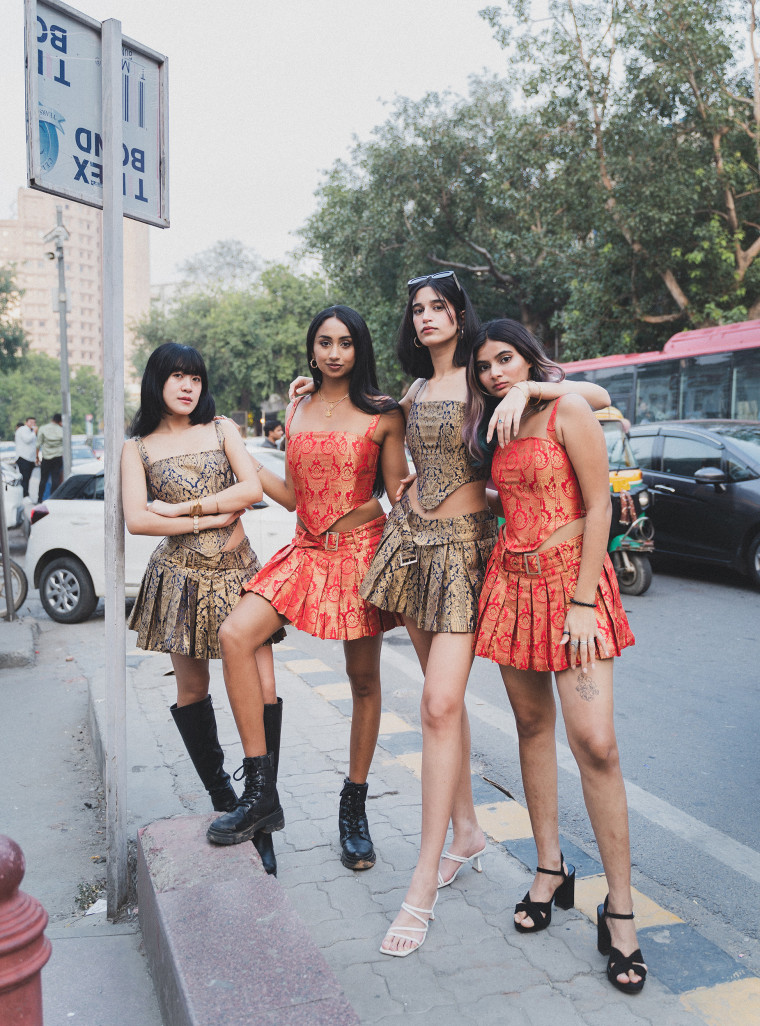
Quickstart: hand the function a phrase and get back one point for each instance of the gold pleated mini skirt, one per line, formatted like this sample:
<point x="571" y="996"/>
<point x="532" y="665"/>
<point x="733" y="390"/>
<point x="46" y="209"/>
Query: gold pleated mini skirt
<point x="431" y="571"/>
<point x="185" y="597"/>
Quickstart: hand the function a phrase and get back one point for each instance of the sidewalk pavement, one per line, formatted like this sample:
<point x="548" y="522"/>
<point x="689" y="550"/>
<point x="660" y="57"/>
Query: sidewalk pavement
<point x="474" y="968"/>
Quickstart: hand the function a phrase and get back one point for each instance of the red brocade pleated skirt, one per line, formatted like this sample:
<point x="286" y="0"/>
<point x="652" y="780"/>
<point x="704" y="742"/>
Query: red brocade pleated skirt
<point x="314" y="583"/>
<point x="524" y="602"/>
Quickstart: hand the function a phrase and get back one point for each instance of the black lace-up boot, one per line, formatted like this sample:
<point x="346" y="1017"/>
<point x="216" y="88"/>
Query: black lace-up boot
<point x="262" y="840"/>
<point x="196" y="724"/>
<point x="357" y="851"/>
<point x="258" y="807"/>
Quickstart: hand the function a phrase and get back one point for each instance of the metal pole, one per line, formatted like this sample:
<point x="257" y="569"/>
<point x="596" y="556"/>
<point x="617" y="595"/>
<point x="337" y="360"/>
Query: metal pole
<point x="113" y="351"/>
<point x="10" y="605"/>
<point x="64" y="339"/>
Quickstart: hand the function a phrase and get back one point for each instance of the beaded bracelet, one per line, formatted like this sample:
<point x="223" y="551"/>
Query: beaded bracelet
<point x="586" y="605"/>
<point x="195" y="524"/>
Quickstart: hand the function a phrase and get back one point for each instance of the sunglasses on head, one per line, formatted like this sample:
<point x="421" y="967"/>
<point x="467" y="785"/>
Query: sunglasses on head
<point x="433" y="277"/>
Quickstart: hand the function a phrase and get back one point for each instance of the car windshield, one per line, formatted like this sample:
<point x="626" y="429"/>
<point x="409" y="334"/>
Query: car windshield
<point x="618" y="449"/>
<point x="744" y="436"/>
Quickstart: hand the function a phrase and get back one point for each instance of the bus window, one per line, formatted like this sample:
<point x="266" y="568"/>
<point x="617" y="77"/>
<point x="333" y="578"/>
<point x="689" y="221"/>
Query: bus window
<point x="706" y="387"/>
<point x="746" y="404"/>
<point x="619" y="383"/>
<point x="657" y="392"/>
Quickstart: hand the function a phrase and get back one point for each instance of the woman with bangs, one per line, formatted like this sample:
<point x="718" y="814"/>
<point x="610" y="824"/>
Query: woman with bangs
<point x="187" y="477"/>
<point x="344" y="447"/>
<point x="550" y="604"/>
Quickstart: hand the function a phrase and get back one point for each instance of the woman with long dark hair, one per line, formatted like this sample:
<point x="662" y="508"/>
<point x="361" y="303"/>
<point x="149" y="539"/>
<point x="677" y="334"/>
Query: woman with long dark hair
<point x="187" y="477"/>
<point x="550" y="604"/>
<point x="344" y="445"/>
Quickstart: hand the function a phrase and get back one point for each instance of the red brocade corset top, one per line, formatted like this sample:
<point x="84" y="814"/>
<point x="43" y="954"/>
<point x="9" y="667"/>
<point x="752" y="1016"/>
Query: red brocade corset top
<point x="333" y="473"/>
<point x="538" y="489"/>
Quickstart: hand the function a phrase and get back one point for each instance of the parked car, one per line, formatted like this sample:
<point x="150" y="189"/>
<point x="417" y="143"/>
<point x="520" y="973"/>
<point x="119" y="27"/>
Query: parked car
<point x="13" y="495"/>
<point x="81" y="453"/>
<point x="7" y="452"/>
<point x="65" y="556"/>
<point x="704" y="477"/>
<point x="98" y="445"/>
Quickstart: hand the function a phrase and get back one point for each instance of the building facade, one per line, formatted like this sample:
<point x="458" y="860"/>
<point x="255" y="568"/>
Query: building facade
<point x="21" y="243"/>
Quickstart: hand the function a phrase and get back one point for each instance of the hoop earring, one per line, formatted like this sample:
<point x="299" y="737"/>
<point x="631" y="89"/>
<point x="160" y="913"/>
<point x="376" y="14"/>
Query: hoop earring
<point x="417" y="343"/>
<point x="461" y="332"/>
<point x="313" y="363"/>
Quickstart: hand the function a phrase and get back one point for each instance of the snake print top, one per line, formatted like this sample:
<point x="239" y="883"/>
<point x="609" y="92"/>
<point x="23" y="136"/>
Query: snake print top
<point x="441" y="457"/>
<point x="538" y="488"/>
<point x="191" y="476"/>
<point x="333" y="472"/>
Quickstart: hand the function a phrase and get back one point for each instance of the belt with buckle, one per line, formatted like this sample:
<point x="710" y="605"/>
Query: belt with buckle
<point x="332" y="540"/>
<point x="526" y="556"/>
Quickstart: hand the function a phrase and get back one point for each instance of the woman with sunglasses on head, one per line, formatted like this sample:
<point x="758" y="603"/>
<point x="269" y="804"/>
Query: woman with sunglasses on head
<point x="429" y="567"/>
<point x="187" y="477"/>
<point x="551" y="605"/>
<point x="345" y="443"/>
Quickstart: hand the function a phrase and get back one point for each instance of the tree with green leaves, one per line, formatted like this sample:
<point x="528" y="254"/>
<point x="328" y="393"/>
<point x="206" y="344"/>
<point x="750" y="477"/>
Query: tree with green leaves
<point x="13" y="342"/>
<point x="32" y="388"/>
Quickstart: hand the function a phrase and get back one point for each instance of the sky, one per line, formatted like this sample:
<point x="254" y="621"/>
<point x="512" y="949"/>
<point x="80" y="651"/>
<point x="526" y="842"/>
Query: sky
<point x="264" y="96"/>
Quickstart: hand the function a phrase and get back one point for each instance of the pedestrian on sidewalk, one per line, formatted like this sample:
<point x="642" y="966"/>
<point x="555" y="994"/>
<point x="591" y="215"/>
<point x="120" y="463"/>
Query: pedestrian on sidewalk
<point x="551" y="604"/>
<point x="429" y="567"/>
<point x="50" y="451"/>
<point x="188" y="477"/>
<point x="344" y="448"/>
<point x="26" y="451"/>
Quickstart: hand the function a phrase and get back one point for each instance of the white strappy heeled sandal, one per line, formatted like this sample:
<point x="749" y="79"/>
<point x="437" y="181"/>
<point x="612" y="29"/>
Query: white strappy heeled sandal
<point x="475" y="859"/>
<point x="403" y="932"/>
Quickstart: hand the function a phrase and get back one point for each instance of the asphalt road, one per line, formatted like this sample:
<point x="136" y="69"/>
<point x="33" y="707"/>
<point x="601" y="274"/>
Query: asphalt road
<point x="687" y="718"/>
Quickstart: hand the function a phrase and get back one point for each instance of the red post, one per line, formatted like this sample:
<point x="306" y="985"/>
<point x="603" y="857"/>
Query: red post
<point x="23" y="947"/>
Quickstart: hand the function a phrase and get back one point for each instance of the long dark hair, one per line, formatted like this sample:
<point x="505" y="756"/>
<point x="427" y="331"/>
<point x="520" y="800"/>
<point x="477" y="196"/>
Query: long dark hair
<point x="480" y="405"/>
<point x="417" y="361"/>
<point x="363" y="389"/>
<point x="162" y="363"/>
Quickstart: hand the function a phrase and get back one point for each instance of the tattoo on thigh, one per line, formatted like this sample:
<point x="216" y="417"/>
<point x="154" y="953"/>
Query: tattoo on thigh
<point x="586" y="688"/>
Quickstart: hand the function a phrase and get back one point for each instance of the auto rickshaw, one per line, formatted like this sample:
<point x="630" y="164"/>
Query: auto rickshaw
<point x="631" y="531"/>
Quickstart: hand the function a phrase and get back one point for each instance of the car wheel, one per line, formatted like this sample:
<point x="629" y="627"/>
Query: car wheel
<point x="19" y="587"/>
<point x="753" y="561"/>
<point x="636" y="580"/>
<point x="66" y="591"/>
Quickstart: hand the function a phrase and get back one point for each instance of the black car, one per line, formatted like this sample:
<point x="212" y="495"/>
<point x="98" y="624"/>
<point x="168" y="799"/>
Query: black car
<point x="704" y="476"/>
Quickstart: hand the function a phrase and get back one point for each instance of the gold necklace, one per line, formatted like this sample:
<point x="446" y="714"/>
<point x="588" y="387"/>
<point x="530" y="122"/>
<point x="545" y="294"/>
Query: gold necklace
<point x="331" y="406"/>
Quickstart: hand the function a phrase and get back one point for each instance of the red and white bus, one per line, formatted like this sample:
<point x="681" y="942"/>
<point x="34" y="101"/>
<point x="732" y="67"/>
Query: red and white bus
<point x="708" y="373"/>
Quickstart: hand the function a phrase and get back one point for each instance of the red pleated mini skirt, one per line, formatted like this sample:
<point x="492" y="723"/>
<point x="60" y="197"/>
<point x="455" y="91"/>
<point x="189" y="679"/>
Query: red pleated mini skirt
<point x="524" y="602"/>
<point x="314" y="583"/>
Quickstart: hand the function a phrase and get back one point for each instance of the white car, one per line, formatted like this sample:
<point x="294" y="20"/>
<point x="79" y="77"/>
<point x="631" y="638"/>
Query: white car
<point x="65" y="555"/>
<point x="13" y="495"/>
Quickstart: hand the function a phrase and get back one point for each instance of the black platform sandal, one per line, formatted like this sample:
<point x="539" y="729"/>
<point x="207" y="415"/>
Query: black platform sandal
<point x="618" y="962"/>
<point x="541" y="911"/>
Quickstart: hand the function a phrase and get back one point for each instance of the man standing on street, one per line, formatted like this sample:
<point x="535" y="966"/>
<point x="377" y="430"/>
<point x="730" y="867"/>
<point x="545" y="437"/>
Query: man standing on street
<point x="26" y="451"/>
<point x="273" y="432"/>
<point x="50" y="447"/>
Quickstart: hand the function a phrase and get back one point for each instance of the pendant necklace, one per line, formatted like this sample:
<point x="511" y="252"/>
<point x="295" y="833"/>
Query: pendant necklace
<point x="331" y="406"/>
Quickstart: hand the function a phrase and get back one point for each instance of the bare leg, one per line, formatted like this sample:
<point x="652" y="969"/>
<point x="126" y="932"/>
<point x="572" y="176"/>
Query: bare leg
<point x="468" y="837"/>
<point x="247" y="627"/>
<point x="587" y="707"/>
<point x="265" y="666"/>
<point x="448" y="666"/>
<point x="531" y="696"/>
<point x="192" y="678"/>
<point x="363" y="669"/>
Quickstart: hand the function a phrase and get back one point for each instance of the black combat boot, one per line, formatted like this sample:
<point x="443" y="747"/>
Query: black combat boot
<point x="196" y="724"/>
<point x="258" y="807"/>
<point x="262" y="840"/>
<point x="357" y="851"/>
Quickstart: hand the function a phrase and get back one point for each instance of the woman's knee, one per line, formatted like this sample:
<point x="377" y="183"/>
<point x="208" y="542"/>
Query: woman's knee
<point x="597" y="752"/>
<point x="534" y="721"/>
<point x="440" y="712"/>
<point x="364" y="684"/>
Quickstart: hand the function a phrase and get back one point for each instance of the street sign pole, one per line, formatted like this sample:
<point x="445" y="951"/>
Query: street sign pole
<point x="63" y="336"/>
<point x="113" y="415"/>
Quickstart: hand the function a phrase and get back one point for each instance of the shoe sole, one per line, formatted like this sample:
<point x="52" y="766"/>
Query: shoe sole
<point x="274" y="821"/>
<point x="358" y="863"/>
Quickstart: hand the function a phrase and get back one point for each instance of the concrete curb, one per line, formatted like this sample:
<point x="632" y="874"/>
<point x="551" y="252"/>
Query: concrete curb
<point x="17" y="643"/>
<point x="222" y="939"/>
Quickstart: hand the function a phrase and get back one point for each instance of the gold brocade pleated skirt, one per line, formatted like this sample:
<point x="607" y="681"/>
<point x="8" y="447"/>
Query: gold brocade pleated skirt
<point x="314" y="583"/>
<point x="431" y="571"/>
<point x="525" y="600"/>
<point x="185" y="597"/>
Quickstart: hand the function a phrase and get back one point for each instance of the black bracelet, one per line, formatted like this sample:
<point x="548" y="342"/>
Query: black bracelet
<point x="586" y="605"/>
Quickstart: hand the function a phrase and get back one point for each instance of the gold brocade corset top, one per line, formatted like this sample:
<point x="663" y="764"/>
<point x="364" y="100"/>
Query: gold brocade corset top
<point x="191" y="477"/>
<point x="441" y="457"/>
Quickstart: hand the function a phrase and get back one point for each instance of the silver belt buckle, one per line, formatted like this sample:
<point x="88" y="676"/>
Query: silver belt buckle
<point x="331" y="540"/>
<point x="532" y="555"/>
<point x="408" y="560"/>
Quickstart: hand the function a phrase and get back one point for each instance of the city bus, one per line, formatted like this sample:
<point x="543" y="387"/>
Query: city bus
<point x="707" y="373"/>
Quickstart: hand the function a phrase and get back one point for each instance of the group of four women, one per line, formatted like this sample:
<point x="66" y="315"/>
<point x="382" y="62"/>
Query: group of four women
<point x="537" y="597"/>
